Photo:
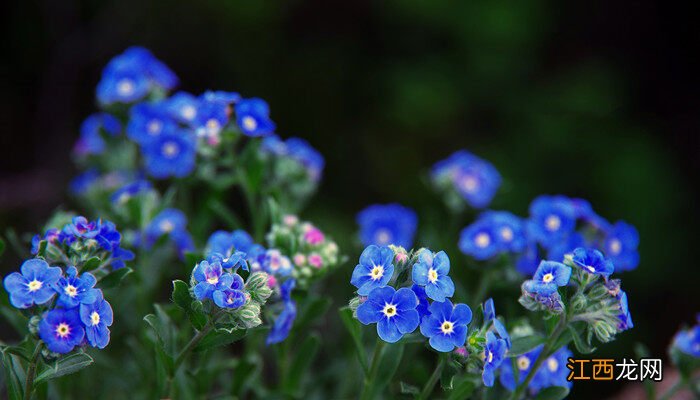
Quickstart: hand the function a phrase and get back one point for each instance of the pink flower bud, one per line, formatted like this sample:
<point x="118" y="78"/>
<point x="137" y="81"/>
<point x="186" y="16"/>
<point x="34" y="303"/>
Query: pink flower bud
<point x="315" y="260"/>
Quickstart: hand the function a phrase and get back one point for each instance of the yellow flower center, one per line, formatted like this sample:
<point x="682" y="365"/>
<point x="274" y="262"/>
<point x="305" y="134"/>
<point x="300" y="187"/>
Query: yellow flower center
<point x="552" y="223"/>
<point x="213" y="280"/>
<point x="469" y="184"/>
<point x="71" y="290"/>
<point x="377" y="272"/>
<point x="170" y="150"/>
<point x="188" y="112"/>
<point x="482" y="240"/>
<point x="389" y="310"/>
<point x="154" y="127"/>
<point x="382" y="236"/>
<point x="548" y="278"/>
<point x="213" y="125"/>
<point x="63" y="329"/>
<point x="95" y="318"/>
<point x="490" y="359"/>
<point x="523" y="363"/>
<point x="615" y="246"/>
<point x="249" y="123"/>
<point x="166" y="226"/>
<point x="432" y="275"/>
<point x="125" y="87"/>
<point x="552" y="364"/>
<point x="447" y="327"/>
<point x="507" y="234"/>
<point x="34" y="285"/>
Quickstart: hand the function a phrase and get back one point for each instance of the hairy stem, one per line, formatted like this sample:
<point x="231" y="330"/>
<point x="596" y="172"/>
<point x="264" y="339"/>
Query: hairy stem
<point x="368" y="387"/>
<point x="430" y="384"/>
<point x="31" y="372"/>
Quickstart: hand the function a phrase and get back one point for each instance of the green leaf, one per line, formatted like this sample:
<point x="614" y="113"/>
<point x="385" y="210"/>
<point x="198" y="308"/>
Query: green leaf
<point x="463" y="389"/>
<point x="181" y="295"/>
<point x="115" y="277"/>
<point x="220" y="337"/>
<point x="409" y="389"/>
<point x="64" y="366"/>
<point x="552" y="393"/>
<point x="353" y="327"/>
<point x="581" y="345"/>
<point x="42" y="249"/>
<point x="389" y="361"/>
<point x="14" y="377"/>
<point x="196" y="315"/>
<point x="302" y="361"/>
<point x="191" y="259"/>
<point x="524" y="344"/>
<point x="91" y="264"/>
<point x="162" y="327"/>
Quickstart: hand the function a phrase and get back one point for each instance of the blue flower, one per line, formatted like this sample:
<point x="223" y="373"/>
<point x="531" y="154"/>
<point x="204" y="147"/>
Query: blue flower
<point x="34" y="285"/>
<point x="253" y="117"/>
<point x="624" y="316"/>
<point x="524" y="363"/>
<point x="585" y="212"/>
<point x="374" y="270"/>
<point x="74" y="290"/>
<point x="147" y="121"/>
<point x="423" y="302"/>
<point x="126" y="192"/>
<point x="475" y="179"/>
<point x="83" y="183"/>
<point x="183" y="242"/>
<point x="431" y="272"/>
<point x="222" y="96"/>
<point x="210" y="278"/>
<point x="383" y="225"/>
<point x="508" y="229"/>
<point x="97" y="318"/>
<point x="494" y="353"/>
<point x="61" y="330"/>
<point x="276" y="263"/>
<point x="489" y="310"/>
<point x="80" y="227"/>
<point x="167" y="221"/>
<point x="227" y="243"/>
<point x="621" y="243"/>
<point x="301" y="151"/>
<point x="232" y="261"/>
<point x="446" y="326"/>
<point x="91" y="141"/>
<point x="688" y="340"/>
<point x="183" y="107"/>
<point x="554" y="216"/>
<point x="565" y="245"/>
<point x="170" y="154"/>
<point x="479" y="240"/>
<point x="131" y="75"/>
<point x="394" y="312"/>
<point x="548" y="277"/>
<point x="212" y="117"/>
<point x="553" y="371"/>
<point x="284" y="321"/>
<point x="231" y="297"/>
<point x="592" y="261"/>
<point x="502" y="332"/>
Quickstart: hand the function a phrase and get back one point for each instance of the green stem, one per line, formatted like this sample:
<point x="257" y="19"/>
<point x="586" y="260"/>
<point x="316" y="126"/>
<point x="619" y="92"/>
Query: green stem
<point x="547" y="351"/>
<point x="368" y="388"/>
<point x="482" y="289"/>
<point x="31" y="372"/>
<point x="430" y="384"/>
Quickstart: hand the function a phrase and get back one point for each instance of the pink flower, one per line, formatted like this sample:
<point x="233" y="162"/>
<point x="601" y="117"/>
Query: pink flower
<point x="315" y="260"/>
<point x="290" y="220"/>
<point x="401" y="257"/>
<point x="271" y="281"/>
<point x="462" y="351"/>
<point x="314" y="236"/>
<point x="299" y="259"/>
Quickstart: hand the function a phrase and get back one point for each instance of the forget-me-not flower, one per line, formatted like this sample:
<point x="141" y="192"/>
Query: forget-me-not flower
<point x="385" y="224"/>
<point x="34" y="285"/>
<point x="431" y="271"/>
<point x="374" y="270"/>
<point x="61" y="330"/>
<point x="394" y="312"/>
<point x="446" y="326"/>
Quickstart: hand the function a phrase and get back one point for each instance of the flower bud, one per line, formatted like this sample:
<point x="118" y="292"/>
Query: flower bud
<point x="249" y="315"/>
<point x="578" y="302"/>
<point x="256" y="281"/>
<point x="603" y="331"/>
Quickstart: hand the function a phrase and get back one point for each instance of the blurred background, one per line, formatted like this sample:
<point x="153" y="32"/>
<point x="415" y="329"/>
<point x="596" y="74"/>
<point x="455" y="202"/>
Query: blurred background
<point x="588" y="99"/>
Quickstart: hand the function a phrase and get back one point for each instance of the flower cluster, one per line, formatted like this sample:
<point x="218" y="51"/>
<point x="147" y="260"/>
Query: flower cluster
<point x="295" y="165"/>
<point x="71" y="311"/>
<point x="81" y="240"/>
<point x="387" y="224"/>
<point x="170" y="223"/>
<point x="556" y="226"/>
<point x="310" y="251"/>
<point x="552" y="372"/>
<point x="464" y="177"/>
<point x="688" y="340"/>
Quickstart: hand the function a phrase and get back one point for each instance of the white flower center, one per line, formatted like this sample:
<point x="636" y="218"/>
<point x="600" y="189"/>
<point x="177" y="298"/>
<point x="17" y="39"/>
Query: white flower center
<point x="154" y="127"/>
<point x="469" y="183"/>
<point x="615" y="246"/>
<point x="590" y="268"/>
<point x="432" y="275"/>
<point x="548" y="278"/>
<point x="170" y="149"/>
<point x="249" y="123"/>
<point x="34" y="285"/>
<point x="490" y="359"/>
<point x="552" y="364"/>
<point x="71" y="290"/>
<point x="382" y="236"/>
<point x="188" y="112"/>
<point x="482" y="240"/>
<point x="389" y="310"/>
<point x="213" y="126"/>
<point x="62" y="329"/>
<point x="447" y="327"/>
<point x="523" y="363"/>
<point x="552" y="223"/>
<point x="125" y="87"/>
<point x="377" y="272"/>
<point x="94" y="318"/>
<point x="507" y="234"/>
<point x="213" y="280"/>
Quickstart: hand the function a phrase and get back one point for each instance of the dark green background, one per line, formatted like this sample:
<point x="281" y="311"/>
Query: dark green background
<point x="587" y="99"/>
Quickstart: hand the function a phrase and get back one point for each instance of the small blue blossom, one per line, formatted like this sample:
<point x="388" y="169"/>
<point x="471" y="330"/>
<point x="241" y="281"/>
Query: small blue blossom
<point x="592" y="261"/>
<point x="61" y="330"/>
<point x="227" y="243"/>
<point x="222" y="96"/>
<point x="548" y="277"/>
<point x="554" y="216"/>
<point x="394" y="312"/>
<point x="479" y="240"/>
<point x="74" y="290"/>
<point x="210" y="278"/>
<point x="624" y="316"/>
<point x="423" y="302"/>
<point x="494" y="354"/>
<point x="502" y="332"/>
<point x="97" y="318"/>
<point x="131" y="75"/>
<point x="147" y="121"/>
<point x="233" y="261"/>
<point x="688" y="340"/>
<point x="446" y="326"/>
<point x="126" y="192"/>
<point x="34" y="285"/>
<point x="84" y="182"/>
<point x="91" y="140"/>
<point x="276" y="263"/>
<point x="374" y="270"/>
<point x="475" y="179"/>
<point x="553" y="371"/>
<point x="621" y="243"/>
<point x="584" y="211"/>
<point x="301" y="151"/>
<point x="183" y="107"/>
<point x="524" y="363"/>
<point x="284" y="321"/>
<point x="212" y="117"/>
<point x="565" y="245"/>
<point x="489" y="310"/>
<point x="52" y="236"/>
<point x="171" y="154"/>
<point x="431" y="272"/>
<point x="387" y="224"/>
<point x="231" y="297"/>
<point x="167" y="221"/>
<point x="80" y="227"/>
<point x="508" y="229"/>
<point x="253" y="117"/>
